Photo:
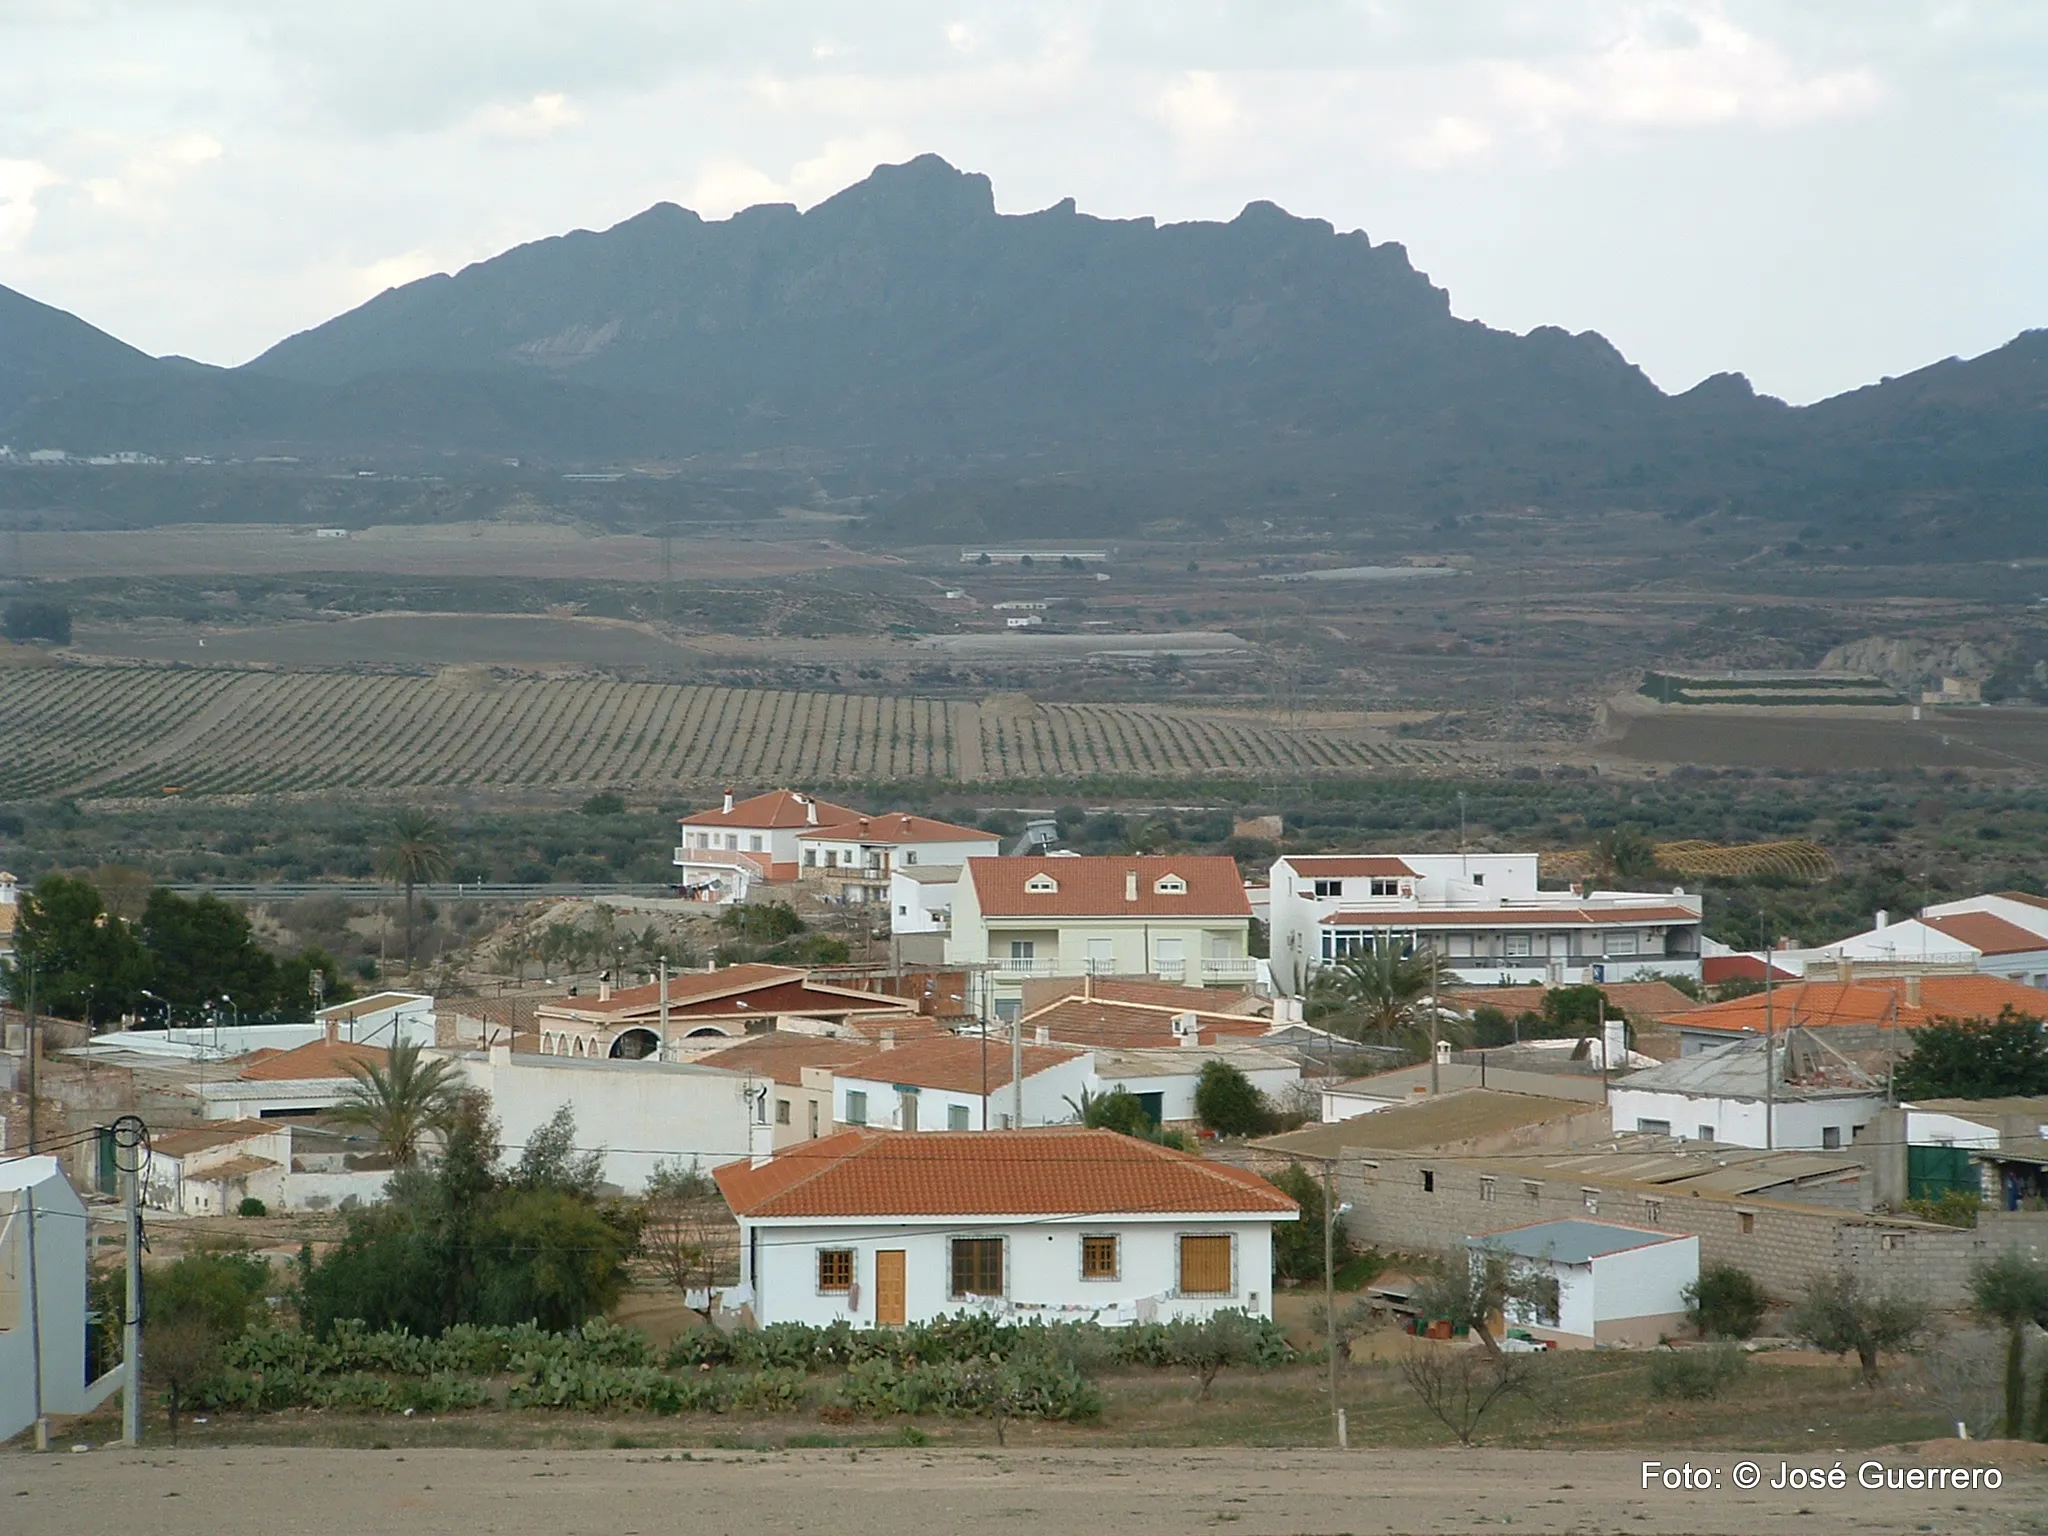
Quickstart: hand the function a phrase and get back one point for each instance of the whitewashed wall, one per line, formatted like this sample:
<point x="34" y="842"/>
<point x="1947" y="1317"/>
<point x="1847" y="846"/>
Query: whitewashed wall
<point x="1740" y="1122"/>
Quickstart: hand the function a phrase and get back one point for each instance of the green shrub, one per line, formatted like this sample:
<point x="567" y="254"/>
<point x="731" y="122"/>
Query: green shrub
<point x="1697" y="1373"/>
<point x="1725" y="1303"/>
<point x="1951" y="1208"/>
<point x="251" y="1206"/>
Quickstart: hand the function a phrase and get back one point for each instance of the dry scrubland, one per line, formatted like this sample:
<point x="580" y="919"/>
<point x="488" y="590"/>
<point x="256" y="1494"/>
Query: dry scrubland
<point x="271" y="1492"/>
<point x="123" y="731"/>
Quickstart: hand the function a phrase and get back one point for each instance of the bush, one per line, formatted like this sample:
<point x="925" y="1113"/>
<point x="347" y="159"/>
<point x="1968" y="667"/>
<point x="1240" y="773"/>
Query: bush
<point x="1298" y="1245"/>
<point x="1951" y="1208"/>
<point x="1725" y="1303"/>
<point x="36" y="618"/>
<point x="1227" y="1102"/>
<point x="251" y="1206"/>
<point x="1696" y="1373"/>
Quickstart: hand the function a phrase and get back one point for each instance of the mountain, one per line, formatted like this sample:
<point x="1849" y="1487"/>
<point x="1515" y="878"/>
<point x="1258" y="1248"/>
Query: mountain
<point x="951" y="363"/>
<point x="45" y="351"/>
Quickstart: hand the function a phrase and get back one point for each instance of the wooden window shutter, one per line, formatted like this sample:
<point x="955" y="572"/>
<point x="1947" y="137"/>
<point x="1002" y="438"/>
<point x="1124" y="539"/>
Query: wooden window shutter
<point x="1205" y="1266"/>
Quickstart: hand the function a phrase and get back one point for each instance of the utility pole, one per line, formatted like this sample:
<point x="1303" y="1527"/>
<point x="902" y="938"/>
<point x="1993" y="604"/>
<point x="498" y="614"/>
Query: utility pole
<point x="35" y="1328"/>
<point x="28" y="1040"/>
<point x="1017" y="1070"/>
<point x="1337" y="1427"/>
<point x="1436" y="1023"/>
<point x="132" y="1137"/>
<point x="1770" y="1050"/>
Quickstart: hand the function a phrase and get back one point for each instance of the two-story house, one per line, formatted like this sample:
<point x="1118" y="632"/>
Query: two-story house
<point x="853" y="860"/>
<point x="1177" y="917"/>
<point x="723" y="854"/>
<point x="1483" y="913"/>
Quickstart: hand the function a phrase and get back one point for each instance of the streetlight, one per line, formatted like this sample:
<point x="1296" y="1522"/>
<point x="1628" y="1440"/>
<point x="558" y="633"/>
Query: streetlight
<point x="1331" y="1211"/>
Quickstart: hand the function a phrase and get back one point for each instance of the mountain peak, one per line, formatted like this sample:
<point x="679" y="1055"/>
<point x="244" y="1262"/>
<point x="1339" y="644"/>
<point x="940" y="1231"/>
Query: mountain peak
<point x="927" y="189"/>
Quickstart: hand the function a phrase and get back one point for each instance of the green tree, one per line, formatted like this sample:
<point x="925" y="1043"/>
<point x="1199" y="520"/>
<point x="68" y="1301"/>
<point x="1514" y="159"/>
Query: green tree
<point x="551" y="1160"/>
<point x="417" y="854"/>
<point x="1298" y="1245"/>
<point x="2011" y="1290"/>
<point x="1490" y="1283"/>
<point x="1118" y="1110"/>
<point x="1380" y="996"/>
<point x="82" y="963"/>
<point x="1228" y="1102"/>
<point x="37" y="618"/>
<point x="1624" y="857"/>
<point x="545" y="1256"/>
<point x="402" y="1101"/>
<point x="1725" y="1303"/>
<point x="1210" y="1345"/>
<point x="1573" y="1011"/>
<point x="1976" y="1059"/>
<point x="295" y="982"/>
<point x="1842" y="1315"/>
<point x="202" y="949"/>
<point x="192" y="1307"/>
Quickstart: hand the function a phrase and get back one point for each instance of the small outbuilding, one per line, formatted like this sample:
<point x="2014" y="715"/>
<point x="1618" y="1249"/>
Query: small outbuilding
<point x="1615" y="1284"/>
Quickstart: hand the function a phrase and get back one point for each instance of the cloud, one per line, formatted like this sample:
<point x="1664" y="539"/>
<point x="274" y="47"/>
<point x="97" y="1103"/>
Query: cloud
<point x="149" y="175"/>
<point x="726" y="185"/>
<point x="540" y="116"/>
<point x="20" y="181"/>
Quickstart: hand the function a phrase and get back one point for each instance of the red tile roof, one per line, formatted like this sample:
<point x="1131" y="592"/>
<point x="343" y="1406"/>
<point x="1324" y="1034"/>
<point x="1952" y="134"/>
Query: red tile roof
<point x="1716" y="969"/>
<point x="1638" y="999"/>
<point x="1097" y="886"/>
<point x="750" y="988"/>
<point x="955" y="1063"/>
<point x="1053" y="1172"/>
<point x="1347" y="865"/>
<point x="1987" y="934"/>
<point x="215" y="1133"/>
<point x="1172" y="997"/>
<point x="783" y="1057"/>
<point x="1099" y="1022"/>
<point x="1880" y="1001"/>
<point x="313" y="1061"/>
<point x="896" y="827"/>
<point x="1512" y="917"/>
<point x="2026" y="898"/>
<point x="777" y="809"/>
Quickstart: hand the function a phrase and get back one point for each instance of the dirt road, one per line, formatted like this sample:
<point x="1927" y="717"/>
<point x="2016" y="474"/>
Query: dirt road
<point x="267" y="1492"/>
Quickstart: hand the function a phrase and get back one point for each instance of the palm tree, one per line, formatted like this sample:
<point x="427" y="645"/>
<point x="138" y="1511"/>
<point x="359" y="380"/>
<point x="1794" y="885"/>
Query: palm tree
<point x="403" y="1100"/>
<point x="1379" y="995"/>
<point x="2012" y="1291"/>
<point x="416" y="855"/>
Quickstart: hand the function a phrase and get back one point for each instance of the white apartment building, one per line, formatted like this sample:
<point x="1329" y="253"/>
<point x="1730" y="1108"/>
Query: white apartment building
<point x="854" y="860"/>
<point x="723" y="854"/>
<point x="1482" y="912"/>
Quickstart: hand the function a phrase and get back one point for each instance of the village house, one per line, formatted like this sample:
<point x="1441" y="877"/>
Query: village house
<point x="881" y="1229"/>
<point x="1994" y="1149"/>
<point x="724" y="853"/>
<point x="1163" y="1081"/>
<point x="1615" y="1284"/>
<point x="1869" y="1015"/>
<point x="694" y="1011"/>
<point x="1792" y="1091"/>
<point x="302" y="1081"/>
<point x="1410" y="1085"/>
<point x="383" y="1019"/>
<point x="209" y="1169"/>
<point x="854" y="861"/>
<point x="1483" y="913"/>
<point x="960" y="1083"/>
<point x="639" y="1114"/>
<point x="1176" y="917"/>
<point x="43" y="1309"/>
<point x="801" y="1068"/>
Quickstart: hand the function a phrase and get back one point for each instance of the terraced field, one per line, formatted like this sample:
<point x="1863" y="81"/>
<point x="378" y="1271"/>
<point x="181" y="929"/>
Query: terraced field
<point x="126" y="731"/>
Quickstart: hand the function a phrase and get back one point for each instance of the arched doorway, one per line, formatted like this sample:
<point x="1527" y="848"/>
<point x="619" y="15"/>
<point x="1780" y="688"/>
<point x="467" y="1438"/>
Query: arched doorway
<point x="706" y="1033"/>
<point x="636" y="1045"/>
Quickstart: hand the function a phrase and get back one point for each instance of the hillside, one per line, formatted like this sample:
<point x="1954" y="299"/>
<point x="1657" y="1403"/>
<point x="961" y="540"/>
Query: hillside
<point x="44" y="351"/>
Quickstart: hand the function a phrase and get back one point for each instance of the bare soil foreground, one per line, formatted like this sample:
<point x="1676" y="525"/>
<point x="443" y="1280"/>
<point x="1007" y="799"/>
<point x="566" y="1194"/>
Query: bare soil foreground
<point x="266" y="1492"/>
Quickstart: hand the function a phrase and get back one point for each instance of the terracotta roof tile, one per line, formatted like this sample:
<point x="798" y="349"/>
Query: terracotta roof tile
<point x="1875" y="1001"/>
<point x="898" y="827"/>
<point x="1171" y="997"/>
<point x="1052" y="1172"/>
<point x="726" y="990"/>
<point x="1511" y="917"/>
<point x="1986" y="933"/>
<point x="778" y="808"/>
<point x="1345" y="865"/>
<point x="1644" y="999"/>
<point x="783" y="1057"/>
<point x="1715" y="969"/>
<point x="235" y="1168"/>
<point x="215" y="1133"/>
<point x="313" y="1061"/>
<point x="1099" y="1022"/>
<point x="1097" y="886"/>
<point x="955" y="1063"/>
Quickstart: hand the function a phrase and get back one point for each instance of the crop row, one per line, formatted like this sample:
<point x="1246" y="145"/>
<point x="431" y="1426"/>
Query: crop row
<point x="138" y="730"/>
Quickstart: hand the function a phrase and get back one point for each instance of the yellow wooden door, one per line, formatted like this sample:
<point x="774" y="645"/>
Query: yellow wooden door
<point x="890" y="1305"/>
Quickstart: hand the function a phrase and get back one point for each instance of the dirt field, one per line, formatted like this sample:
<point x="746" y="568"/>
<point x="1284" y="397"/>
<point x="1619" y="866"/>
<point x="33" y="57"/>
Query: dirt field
<point x="1954" y="739"/>
<point x="261" y="1492"/>
<point x="405" y="640"/>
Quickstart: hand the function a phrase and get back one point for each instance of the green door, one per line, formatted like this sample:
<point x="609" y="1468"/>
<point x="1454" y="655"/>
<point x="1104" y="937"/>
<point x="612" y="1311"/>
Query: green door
<point x="1154" y="1105"/>
<point x="109" y="1171"/>
<point x="1932" y="1172"/>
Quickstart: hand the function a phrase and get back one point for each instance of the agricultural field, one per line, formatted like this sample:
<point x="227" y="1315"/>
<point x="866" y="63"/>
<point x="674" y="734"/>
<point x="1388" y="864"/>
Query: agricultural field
<point x="125" y="731"/>
<point x="404" y="640"/>
<point x="1826" y="741"/>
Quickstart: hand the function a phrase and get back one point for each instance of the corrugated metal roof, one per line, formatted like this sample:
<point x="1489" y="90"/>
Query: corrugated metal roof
<point x="1441" y="1121"/>
<point x="1573" y="1241"/>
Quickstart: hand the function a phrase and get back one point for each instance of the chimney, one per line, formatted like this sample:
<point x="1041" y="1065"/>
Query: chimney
<point x="906" y="824"/>
<point x="1614" y="1047"/>
<point x="1088" y="986"/>
<point x="810" y="810"/>
<point x="1884" y="918"/>
<point x="863" y="826"/>
<point x="1130" y="885"/>
<point x="1912" y="991"/>
<point x="728" y="802"/>
<point x="604" y="986"/>
<point x="1844" y="970"/>
<point x="1041" y="1034"/>
<point x="500" y="1055"/>
<point x="333" y="1031"/>
<point x="888" y="1039"/>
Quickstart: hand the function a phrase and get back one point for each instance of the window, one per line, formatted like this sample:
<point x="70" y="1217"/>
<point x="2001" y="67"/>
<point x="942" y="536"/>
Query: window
<point x="856" y="1107"/>
<point x="1429" y="1181"/>
<point x="810" y="858"/>
<point x="1706" y="1133"/>
<point x="956" y="1117"/>
<point x="831" y="858"/>
<point x="1621" y="943"/>
<point x="1479" y="879"/>
<point x="835" y="1270"/>
<point x="1098" y="1256"/>
<point x="814" y="1117"/>
<point x="1517" y="944"/>
<point x="1485" y="1187"/>
<point x="782" y="1111"/>
<point x="1747" y="1221"/>
<point x="906" y="1110"/>
<point x="1023" y="949"/>
<point x="1329" y="887"/>
<point x="754" y="843"/>
<point x="1041" y="885"/>
<point x="901" y="910"/>
<point x="1384" y="887"/>
<point x="910" y="855"/>
<point x="1891" y="1242"/>
<point x="1831" y="1138"/>
<point x="1654" y="1127"/>
<point x="1169" y="885"/>
<point x="1532" y="1191"/>
<point x="977" y="1266"/>
<point x="1101" y="954"/>
<point x="1590" y="1199"/>
<point x="1205" y="1266"/>
<point x="1653" y="1212"/>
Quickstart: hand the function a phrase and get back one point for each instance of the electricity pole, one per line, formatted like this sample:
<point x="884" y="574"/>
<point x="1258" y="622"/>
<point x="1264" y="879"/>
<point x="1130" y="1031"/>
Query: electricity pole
<point x="1337" y="1426"/>
<point x="132" y="1138"/>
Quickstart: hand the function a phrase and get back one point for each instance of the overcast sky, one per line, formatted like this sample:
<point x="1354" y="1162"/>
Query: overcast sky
<point x="1814" y="192"/>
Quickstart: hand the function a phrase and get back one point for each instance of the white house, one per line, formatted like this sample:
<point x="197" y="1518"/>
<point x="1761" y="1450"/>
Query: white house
<point x="1163" y="1080"/>
<point x="382" y="1019"/>
<point x="943" y="1083"/>
<point x="723" y="854"/>
<point x="43" y="1366"/>
<point x="10" y="911"/>
<point x="921" y="898"/>
<point x="1815" y="1099"/>
<point x="1177" y="917"/>
<point x="301" y="1081"/>
<point x="854" y="860"/>
<point x="695" y="1011"/>
<point x="1968" y="936"/>
<point x="1615" y="1284"/>
<point x="882" y="1229"/>
<point x="640" y="1113"/>
<point x="1483" y="912"/>
<point x="208" y="1170"/>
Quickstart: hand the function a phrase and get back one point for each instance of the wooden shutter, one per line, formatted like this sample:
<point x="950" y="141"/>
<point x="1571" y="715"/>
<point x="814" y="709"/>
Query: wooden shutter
<point x="977" y="1266"/>
<point x="1205" y="1266"/>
